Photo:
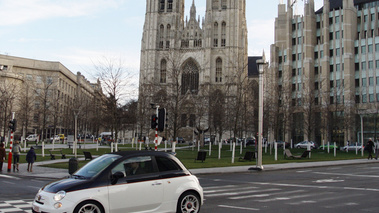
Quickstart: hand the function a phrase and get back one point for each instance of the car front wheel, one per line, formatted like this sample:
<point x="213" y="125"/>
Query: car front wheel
<point x="189" y="202"/>
<point x="89" y="206"/>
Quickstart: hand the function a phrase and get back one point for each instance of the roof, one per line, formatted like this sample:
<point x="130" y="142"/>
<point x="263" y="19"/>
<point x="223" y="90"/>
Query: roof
<point x="337" y="4"/>
<point x="252" y="65"/>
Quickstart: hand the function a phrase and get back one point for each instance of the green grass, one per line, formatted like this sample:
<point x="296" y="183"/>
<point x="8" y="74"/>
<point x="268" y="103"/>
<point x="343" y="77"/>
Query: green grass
<point x="188" y="155"/>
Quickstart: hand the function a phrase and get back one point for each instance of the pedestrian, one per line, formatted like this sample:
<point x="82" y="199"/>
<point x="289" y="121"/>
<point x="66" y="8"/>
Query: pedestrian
<point x="370" y="146"/>
<point x="30" y="158"/>
<point x="3" y="156"/>
<point x="16" y="150"/>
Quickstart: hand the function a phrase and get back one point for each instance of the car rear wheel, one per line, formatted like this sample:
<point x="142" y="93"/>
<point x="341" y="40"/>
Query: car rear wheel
<point x="189" y="202"/>
<point x="89" y="206"/>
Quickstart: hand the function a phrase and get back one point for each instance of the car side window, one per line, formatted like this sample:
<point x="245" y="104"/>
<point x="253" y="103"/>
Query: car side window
<point x="135" y="166"/>
<point x="166" y="164"/>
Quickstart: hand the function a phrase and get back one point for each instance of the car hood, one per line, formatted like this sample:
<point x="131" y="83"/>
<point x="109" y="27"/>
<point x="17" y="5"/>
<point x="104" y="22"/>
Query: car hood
<point x="67" y="185"/>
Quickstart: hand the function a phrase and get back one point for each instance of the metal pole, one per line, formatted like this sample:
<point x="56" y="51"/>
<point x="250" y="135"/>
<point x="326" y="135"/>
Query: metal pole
<point x="260" y="118"/>
<point x="10" y="149"/>
<point x="156" y="130"/>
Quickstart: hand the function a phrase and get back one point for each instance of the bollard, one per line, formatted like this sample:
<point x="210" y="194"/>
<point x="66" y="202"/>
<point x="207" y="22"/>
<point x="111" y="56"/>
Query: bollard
<point x="173" y="146"/>
<point x="233" y="149"/>
<point x="276" y="151"/>
<point x="335" y="151"/>
<point x="43" y="149"/>
<point x="72" y="165"/>
<point x="210" y="148"/>
<point x="219" y="150"/>
<point x="328" y="146"/>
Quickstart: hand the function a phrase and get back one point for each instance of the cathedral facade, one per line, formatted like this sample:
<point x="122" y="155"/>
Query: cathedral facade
<point x="194" y="67"/>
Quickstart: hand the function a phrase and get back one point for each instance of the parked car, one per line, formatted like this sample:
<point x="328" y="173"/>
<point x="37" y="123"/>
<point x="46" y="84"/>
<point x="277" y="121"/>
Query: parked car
<point x="304" y="145"/>
<point x="61" y="136"/>
<point x="353" y="147"/>
<point x="128" y="181"/>
<point x="281" y="143"/>
<point x="32" y="138"/>
<point x="325" y="146"/>
<point x="181" y="140"/>
<point x="56" y="138"/>
<point x="250" y="141"/>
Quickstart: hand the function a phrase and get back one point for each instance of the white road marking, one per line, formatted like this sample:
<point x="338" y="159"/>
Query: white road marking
<point x="351" y="175"/>
<point x="264" y="195"/>
<point x="10" y="177"/>
<point x="238" y="207"/>
<point x="239" y="193"/>
<point x="328" y="181"/>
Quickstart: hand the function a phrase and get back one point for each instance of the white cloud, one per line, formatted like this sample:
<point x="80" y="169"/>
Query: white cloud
<point x="17" y="12"/>
<point x="260" y="37"/>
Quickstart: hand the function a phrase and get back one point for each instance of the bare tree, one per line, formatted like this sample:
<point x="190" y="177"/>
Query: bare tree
<point x="114" y="79"/>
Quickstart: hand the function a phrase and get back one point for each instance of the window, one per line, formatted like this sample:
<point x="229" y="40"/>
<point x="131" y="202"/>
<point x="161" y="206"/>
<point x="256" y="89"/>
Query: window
<point x="183" y="120"/>
<point x="370" y="48"/>
<point x="215" y="34"/>
<point x="371" y="81"/>
<point x="169" y="5"/>
<point x="371" y="98"/>
<point x="161" y="5"/>
<point x="223" y="34"/>
<point x="39" y="79"/>
<point x="370" y="65"/>
<point x="165" y="164"/>
<point x="218" y="70"/>
<point x="134" y="166"/>
<point x="364" y="84"/>
<point x="363" y="66"/>
<point x="223" y="6"/>
<point x="331" y="84"/>
<point x="163" y="71"/>
<point x="190" y="78"/>
<point x="356" y="83"/>
<point x="363" y="49"/>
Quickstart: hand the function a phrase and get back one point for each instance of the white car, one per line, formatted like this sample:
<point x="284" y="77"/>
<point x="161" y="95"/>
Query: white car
<point x="128" y="181"/>
<point x="56" y="138"/>
<point x="33" y="138"/>
<point x="304" y="145"/>
<point x="353" y="147"/>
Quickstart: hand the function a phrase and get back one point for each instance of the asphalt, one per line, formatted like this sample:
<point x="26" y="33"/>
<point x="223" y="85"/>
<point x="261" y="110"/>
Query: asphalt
<point x="39" y="171"/>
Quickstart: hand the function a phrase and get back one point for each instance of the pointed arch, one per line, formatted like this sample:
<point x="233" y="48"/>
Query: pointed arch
<point x="215" y="34"/>
<point x="223" y="34"/>
<point x="190" y="77"/>
<point x="218" y="70"/>
<point x="163" y="71"/>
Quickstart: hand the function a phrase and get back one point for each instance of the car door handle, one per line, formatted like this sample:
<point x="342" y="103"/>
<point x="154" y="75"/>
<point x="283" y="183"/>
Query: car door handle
<point x="156" y="184"/>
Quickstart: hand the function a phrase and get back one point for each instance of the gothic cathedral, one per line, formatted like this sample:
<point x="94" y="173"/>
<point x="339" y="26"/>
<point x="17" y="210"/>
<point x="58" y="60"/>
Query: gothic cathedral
<point x="196" y="67"/>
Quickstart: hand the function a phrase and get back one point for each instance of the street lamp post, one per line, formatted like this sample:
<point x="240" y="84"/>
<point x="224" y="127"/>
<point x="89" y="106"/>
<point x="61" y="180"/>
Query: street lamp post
<point x="261" y="63"/>
<point x="76" y="113"/>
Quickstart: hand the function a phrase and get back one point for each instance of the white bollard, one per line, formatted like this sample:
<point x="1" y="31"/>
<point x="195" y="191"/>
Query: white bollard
<point x="219" y="150"/>
<point x="328" y="146"/>
<point x="111" y="146"/>
<point x="356" y="148"/>
<point x="335" y="150"/>
<point x="165" y="145"/>
<point x="43" y="149"/>
<point x="210" y="148"/>
<point x="198" y="146"/>
<point x="173" y="146"/>
<point x="116" y="148"/>
<point x="323" y="145"/>
<point x="276" y="151"/>
<point x="233" y="149"/>
<point x="97" y="145"/>
<point x="140" y="146"/>
<point x="241" y="148"/>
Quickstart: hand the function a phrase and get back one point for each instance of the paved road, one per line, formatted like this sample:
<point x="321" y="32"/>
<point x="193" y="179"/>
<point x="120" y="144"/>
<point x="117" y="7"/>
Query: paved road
<point x="324" y="189"/>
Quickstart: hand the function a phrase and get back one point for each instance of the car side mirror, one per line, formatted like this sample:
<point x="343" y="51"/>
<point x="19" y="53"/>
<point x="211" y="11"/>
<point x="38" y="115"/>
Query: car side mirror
<point x="116" y="176"/>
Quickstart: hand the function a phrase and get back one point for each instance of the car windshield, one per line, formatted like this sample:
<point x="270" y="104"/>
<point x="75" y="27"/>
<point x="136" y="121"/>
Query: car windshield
<point x="95" y="166"/>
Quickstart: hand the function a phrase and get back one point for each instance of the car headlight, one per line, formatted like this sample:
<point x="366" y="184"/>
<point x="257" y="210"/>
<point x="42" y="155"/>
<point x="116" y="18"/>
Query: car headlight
<point x="59" y="195"/>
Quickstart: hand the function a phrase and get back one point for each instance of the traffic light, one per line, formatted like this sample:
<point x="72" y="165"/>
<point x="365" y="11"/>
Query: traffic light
<point x="161" y="119"/>
<point x="154" y="121"/>
<point x="12" y="125"/>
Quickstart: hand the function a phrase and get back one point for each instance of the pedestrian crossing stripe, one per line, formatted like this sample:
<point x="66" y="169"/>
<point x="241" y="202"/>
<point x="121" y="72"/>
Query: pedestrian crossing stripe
<point x="16" y="206"/>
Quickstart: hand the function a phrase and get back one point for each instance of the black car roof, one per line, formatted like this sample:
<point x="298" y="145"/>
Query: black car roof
<point x="138" y="153"/>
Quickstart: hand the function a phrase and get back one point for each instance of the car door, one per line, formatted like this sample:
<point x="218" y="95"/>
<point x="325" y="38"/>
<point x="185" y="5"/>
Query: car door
<point x="139" y="190"/>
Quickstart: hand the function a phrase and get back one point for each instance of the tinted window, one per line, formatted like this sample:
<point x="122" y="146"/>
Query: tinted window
<point x="165" y="164"/>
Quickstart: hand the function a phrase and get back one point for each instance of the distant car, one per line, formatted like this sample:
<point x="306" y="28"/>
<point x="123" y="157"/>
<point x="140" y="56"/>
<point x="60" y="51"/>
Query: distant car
<point x="250" y="141"/>
<point x="304" y="145"/>
<point x="32" y="138"/>
<point x="128" y="181"/>
<point x="61" y="136"/>
<point x="353" y="147"/>
<point x="325" y="146"/>
<point x="181" y="140"/>
<point x="281" y="143"/>
<point x="55" y="138"/>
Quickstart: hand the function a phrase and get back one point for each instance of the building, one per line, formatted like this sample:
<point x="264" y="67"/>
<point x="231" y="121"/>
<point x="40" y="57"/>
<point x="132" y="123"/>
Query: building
<point x="195" y="68"/>
<point x="324" y="72"/>
<point x="44" y="96"/>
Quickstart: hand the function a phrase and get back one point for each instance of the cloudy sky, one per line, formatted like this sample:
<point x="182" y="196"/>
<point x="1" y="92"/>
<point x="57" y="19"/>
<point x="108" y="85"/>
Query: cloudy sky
<point x="78" y="33"/>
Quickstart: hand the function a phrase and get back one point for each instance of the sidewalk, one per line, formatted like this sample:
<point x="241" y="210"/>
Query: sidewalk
<point x="52" y="173"/>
